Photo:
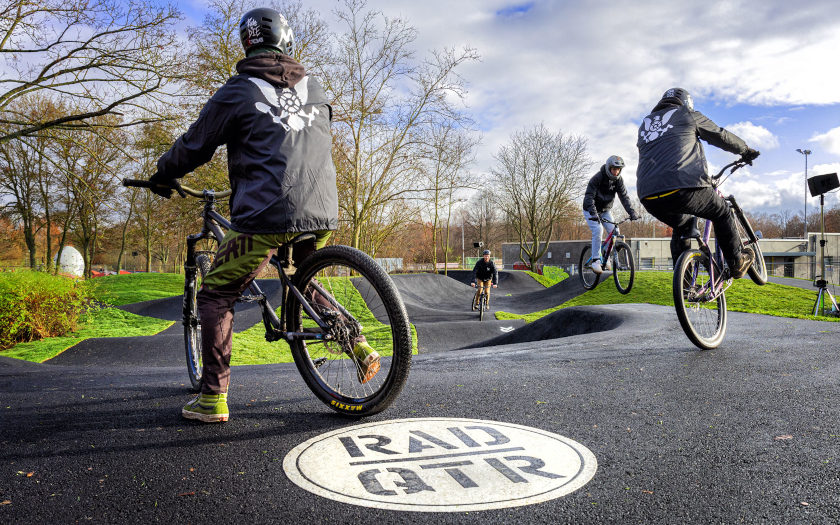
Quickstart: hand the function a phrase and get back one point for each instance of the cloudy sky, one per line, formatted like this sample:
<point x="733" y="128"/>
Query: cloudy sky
<point x="766" y="70"/>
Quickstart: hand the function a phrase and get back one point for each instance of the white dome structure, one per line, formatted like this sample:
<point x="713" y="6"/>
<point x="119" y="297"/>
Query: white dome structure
<point x="71" y="261"/>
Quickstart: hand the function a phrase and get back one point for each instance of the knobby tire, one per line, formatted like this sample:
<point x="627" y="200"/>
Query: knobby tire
<point x="192" y="319"/>
<point x="703" y="321"/>
<point x="623" y="267"/>
<point x="354" y="280"/>
<point x="588" y="278"/>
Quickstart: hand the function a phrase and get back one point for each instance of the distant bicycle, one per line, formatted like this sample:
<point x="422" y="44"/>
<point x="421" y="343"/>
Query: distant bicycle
<point x="615" y="255"/>
<point x="701" y="277"/>
<point x="327" y="303"/>
<point x="483" y="303"/>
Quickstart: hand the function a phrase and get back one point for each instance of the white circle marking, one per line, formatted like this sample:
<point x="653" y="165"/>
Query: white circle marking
<point x="440" y="465"/>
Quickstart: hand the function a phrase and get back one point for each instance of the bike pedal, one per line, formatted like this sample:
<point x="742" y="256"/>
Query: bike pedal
<point x="250" y="298"/>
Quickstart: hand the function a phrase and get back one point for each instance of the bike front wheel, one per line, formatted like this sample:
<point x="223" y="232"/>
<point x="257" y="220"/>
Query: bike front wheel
<point x="192" y="319"/>
<point x="758" y="270"/>
<point x="482" y="306"/>
<point x="588" y="278"/>
<point x="356" y="298"/>
<point x="701" y="312"/>
<point x="624" y="269"/>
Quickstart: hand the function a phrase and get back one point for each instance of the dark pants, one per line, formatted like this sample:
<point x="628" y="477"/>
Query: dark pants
<point x="679" y="210"/>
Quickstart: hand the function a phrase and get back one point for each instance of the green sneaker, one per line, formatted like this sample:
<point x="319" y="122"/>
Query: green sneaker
<point x="208" y="408"/>
<point x="367" y="361"/>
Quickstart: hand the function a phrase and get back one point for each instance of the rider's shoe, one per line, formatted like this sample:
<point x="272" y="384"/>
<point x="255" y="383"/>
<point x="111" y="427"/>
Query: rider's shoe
<point x="367" y="361"/>
<point x="474" y="306"/>
<point x="740" y="266"/>
<point x="608" y="266"/>
<point x="596" y="266"/>
<point x="208" y="408"/>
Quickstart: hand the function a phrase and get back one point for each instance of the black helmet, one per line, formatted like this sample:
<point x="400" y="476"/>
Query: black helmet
<point x="614" y="161"/>
<point x="678" y="96"/>
<point x="486" y="252"/>
<point x="265" y="27"/>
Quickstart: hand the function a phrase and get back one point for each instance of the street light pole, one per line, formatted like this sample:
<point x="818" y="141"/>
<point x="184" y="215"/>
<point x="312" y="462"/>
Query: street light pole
<point x="805" y="152"/>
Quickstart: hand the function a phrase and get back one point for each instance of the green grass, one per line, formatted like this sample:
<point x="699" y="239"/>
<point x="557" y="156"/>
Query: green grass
<point x="105" y="322"/>
<point x="118" y="290"/>
<point x="550" y="276"/>
<point x="655" y="288"/>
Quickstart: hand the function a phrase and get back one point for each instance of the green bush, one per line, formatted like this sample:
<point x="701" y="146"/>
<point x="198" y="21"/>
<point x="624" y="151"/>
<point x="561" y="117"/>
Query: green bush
<point x="551" y="275"/>
<point x="554" y="273"/>
<point x="35" y="305"/>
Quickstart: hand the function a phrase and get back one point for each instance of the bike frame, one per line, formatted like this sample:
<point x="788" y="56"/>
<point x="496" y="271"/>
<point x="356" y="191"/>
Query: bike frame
<point x="608" y="243"/>
<point x="214" y="224"/>
<point x="716" y="285"/>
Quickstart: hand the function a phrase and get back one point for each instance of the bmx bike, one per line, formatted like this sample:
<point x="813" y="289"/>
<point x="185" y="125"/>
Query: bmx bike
<point x="335" y="294"/>
<point x="701" y="277"/>
<point x="615" y="254"/>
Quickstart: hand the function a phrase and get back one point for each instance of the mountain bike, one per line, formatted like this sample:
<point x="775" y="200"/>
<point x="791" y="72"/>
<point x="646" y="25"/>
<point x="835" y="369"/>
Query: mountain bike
<point x="334" y="295"/>
<point x="615" y="254"/>
<point x="701" y="277"/>
<point x="483" y="303"/>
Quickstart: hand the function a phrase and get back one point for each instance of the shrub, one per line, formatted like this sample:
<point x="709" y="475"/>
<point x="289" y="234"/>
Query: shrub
<point x="554" y="273"/>
<point x="35" y="305"/>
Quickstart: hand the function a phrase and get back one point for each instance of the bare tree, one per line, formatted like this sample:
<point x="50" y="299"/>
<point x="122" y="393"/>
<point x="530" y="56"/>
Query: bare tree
<point x="217" y="45"/>
<point x="539" y="174"/>
<point x="105" y="55"/>
<point x="20" y="167"/>
<point x="447" y="153"/>
<point x="383" y="99"/>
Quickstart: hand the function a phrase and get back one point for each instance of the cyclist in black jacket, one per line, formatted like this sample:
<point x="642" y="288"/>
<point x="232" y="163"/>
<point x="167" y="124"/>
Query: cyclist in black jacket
<point x="672" y="181"/>
<point x="598" y="200"/>
<point x="484" y="273"/>
<point x="275" y="120"/>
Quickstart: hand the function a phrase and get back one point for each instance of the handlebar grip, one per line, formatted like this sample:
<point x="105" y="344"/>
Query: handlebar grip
<point x="139" y="183"/>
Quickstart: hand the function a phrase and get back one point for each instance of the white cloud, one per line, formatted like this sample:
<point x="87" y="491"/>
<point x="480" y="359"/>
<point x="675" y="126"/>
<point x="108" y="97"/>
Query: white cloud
<point x="757" y="137"/>
<point x="830" y="140"/>
<point x="595" y="68"/>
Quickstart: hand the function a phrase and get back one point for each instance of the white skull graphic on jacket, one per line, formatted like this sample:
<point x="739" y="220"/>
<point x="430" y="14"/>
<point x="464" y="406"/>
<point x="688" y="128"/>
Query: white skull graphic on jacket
<point x="656" y="127"/>
<point x="289" y="102"/>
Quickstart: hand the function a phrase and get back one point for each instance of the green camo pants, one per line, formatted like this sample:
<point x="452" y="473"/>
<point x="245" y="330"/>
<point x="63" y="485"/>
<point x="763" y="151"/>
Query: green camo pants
<point x="239" y="259"/>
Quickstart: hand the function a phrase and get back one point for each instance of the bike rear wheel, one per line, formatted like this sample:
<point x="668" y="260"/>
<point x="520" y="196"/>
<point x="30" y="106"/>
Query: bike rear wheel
<point x="375" y="310"/>
<point x="702" y="319"/>
<point x="588" y="278"/>
<point x="192" y="319"/>
<point x="758" y="270"/>
<point x="624" y="269"/>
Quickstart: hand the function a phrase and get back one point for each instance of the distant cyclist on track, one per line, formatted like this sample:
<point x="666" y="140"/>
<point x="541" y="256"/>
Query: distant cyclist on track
<point x="484" y="273"/>
<point x="598" y="200"/>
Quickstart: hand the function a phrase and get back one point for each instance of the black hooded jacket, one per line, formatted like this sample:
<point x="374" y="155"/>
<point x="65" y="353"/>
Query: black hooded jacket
<point x="484" y="270"/>
<point x="671" y="156"/>
<point x="275" y="121"/>
<point x="601" y="192"/>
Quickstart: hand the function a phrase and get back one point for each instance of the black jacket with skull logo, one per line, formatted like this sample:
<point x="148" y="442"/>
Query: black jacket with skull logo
<point x="601" y="191"/>
<point x="275" y="121"/>
<point x="670" y="153"/>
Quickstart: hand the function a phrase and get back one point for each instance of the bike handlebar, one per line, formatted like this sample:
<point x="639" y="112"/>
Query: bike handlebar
<point x="611" y="222"/>
<point x="735" y="165"/>
<point x="182" y="190"/>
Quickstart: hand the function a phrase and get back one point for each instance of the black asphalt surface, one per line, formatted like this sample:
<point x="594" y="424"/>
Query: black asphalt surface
<point x="749" y="432"/>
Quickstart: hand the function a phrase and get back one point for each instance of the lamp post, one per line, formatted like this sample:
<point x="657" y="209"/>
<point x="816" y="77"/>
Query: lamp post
<point x="463" y="220"/>
<point x="805" y="152"/>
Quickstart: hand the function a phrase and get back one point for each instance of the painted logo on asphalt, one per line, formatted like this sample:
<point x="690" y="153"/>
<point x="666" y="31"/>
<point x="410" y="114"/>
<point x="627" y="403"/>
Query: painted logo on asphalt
<point x="440" y="465"/>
